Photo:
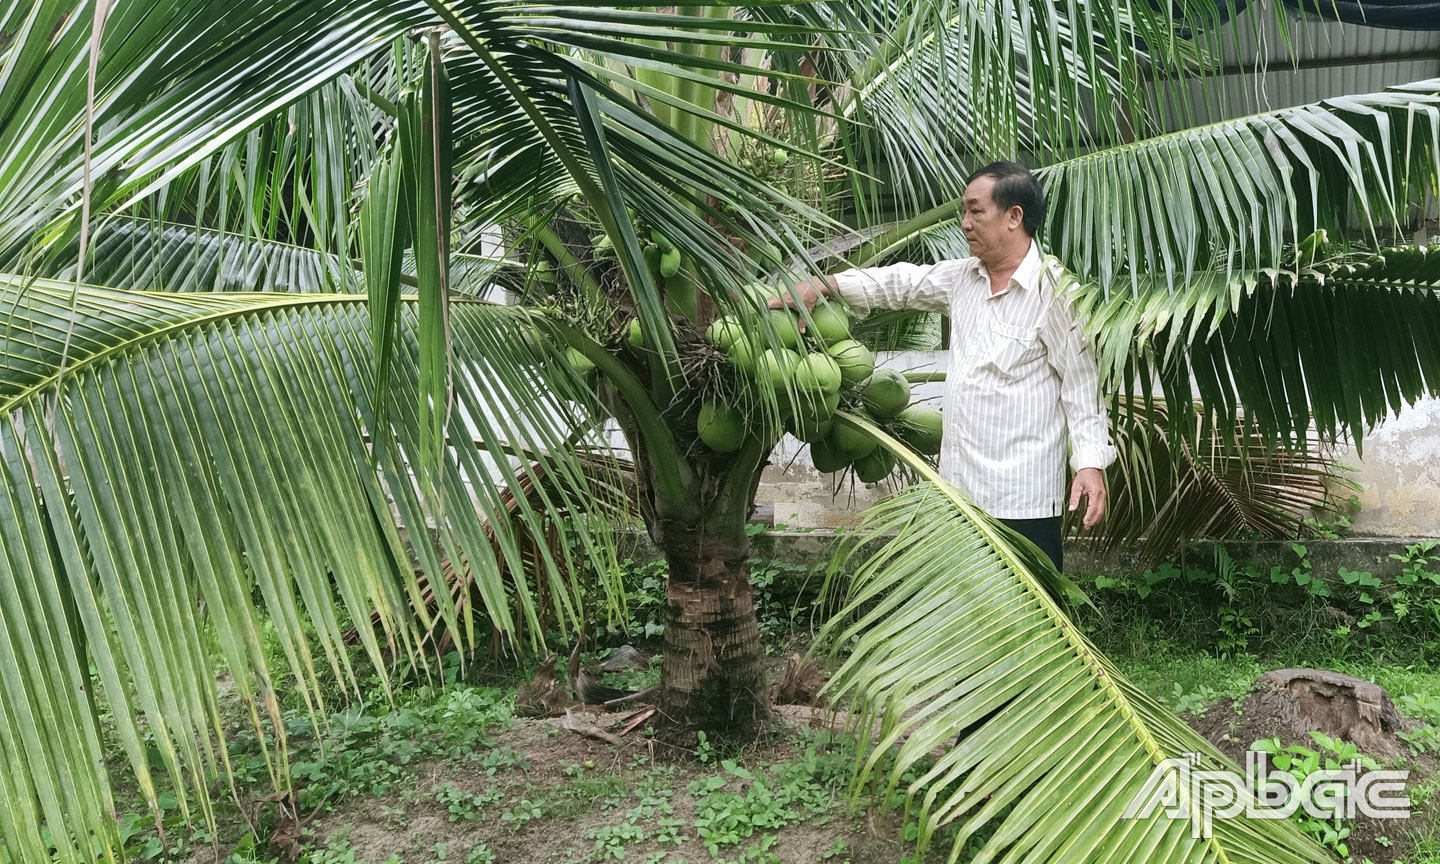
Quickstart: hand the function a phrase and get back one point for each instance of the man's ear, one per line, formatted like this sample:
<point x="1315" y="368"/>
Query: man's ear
<point x="1015" y="216"/>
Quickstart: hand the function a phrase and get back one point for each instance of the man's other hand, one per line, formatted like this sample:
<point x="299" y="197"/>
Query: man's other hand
<point x="1090" y="485"/>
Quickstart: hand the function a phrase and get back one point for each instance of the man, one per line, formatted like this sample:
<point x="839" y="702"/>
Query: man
<point x="1020" y="374"/>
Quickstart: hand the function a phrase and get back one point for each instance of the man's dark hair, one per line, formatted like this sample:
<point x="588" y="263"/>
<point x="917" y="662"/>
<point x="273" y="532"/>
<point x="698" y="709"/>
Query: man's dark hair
<point x="1015" y="186"/>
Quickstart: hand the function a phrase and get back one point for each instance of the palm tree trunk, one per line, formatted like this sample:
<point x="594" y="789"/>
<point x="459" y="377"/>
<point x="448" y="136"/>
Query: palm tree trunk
<point x="713" y="678"/>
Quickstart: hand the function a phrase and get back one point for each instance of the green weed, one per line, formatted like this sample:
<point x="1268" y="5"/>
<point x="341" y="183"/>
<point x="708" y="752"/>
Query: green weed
<point x="1300" y="762"/>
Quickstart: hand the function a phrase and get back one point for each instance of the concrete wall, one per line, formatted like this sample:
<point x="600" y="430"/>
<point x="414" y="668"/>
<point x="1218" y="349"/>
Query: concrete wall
<point x="1399" y="475"/>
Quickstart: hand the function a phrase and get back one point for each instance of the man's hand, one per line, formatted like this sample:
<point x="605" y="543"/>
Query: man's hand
<point x="1090" y="485"/>
<point x="810" y="291"/>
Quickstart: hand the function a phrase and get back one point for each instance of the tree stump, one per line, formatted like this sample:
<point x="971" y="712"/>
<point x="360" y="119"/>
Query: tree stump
<point x="1303" y="700"/>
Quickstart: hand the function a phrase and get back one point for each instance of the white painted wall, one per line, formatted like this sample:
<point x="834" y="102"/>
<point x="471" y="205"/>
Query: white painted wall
<point x="1399" y="475"/>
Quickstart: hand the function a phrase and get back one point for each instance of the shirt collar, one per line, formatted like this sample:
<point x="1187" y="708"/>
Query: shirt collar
<point x="1026" y="276"/>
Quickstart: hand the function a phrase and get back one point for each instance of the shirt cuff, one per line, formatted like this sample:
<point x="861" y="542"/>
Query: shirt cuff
<point x="1092" y="456"/>
<point x="850" y="286"/>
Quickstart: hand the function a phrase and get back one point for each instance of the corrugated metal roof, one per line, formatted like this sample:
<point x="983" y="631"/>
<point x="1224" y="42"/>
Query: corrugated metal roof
<point x="1315" y="38"/>
<point x="1278" y="87"/>
<point x="1334" y="59"/>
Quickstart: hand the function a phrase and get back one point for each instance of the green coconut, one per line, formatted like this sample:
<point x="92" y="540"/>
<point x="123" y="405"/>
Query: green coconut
<point x="818" y="372"/>
<point x="808" y="429"/>
<point x="874" y="466"/>
<point x="776" y="367"/>
<point x="635" y="336"/>
<point x="826" y="458"/>
<point x="579" y="362"/>
<point x="816" y="403"/>
<point x="787" y="327"/>
<point x="651" y="255"/>
<point x="670" y="263"/>
<point x="724" y="332"/>
<point x="811" y="417"/>
<point x="886" y="393"/>
<point x="721" y="427"/>
<point x="856" y="361"/>
<point x="761" y="292"/>
<point x="920" y="426"/>
<point x="852" y="442"/>
<point x="742" y="355"/>
<point x="830" y="323"/>
<point x="661" y="240"/>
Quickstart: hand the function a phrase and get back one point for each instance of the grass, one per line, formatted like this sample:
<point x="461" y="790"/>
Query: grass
<point x="1169" y="672"/>
<point x="446" y="775"/>
<point x="497" y="789"/>
<point x="620" y="806"/>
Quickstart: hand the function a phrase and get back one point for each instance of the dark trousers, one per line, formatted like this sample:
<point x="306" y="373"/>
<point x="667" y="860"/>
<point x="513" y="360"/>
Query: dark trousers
<point x="1044" y="533"/>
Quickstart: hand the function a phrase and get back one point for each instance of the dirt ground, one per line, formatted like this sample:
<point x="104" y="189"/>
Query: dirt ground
<point x="375" y="830"/>
<point x="604" y="802"/>
<point x="1234" y="726"/>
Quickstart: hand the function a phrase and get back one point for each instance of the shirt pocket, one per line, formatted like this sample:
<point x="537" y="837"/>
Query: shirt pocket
<point x="1014" y="351"/>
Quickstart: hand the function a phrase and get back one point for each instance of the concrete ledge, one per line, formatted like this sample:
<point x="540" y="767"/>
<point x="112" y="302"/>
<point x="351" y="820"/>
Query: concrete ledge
<point x="1326" y="556"/>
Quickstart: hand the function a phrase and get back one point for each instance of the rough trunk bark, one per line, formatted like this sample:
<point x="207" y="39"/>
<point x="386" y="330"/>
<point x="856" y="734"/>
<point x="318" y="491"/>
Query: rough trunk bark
<point x="713" y="676"/>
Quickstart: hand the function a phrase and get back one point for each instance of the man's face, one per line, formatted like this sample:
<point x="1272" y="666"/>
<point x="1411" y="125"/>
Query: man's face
<point x="988" y="229"/>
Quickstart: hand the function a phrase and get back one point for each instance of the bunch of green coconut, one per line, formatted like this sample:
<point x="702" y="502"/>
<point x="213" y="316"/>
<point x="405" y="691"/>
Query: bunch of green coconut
<point x="812" y="374"/>
<point x="660" y="255"/>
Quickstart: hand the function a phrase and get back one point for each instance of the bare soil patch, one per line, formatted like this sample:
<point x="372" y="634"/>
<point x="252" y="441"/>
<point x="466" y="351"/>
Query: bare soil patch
<point x="591" y="792"/>
<point x="1278" y="707"/>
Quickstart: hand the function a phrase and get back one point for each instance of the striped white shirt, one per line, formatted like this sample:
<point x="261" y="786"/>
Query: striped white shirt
<point x="1020" y="377"/>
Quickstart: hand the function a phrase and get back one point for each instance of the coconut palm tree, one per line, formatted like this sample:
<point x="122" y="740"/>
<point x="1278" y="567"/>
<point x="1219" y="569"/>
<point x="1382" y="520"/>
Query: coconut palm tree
<point x="182" y="450"/>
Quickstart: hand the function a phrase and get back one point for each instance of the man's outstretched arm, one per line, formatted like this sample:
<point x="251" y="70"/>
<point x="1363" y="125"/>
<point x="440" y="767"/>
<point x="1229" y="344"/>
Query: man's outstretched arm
<point x="923" y="288"/>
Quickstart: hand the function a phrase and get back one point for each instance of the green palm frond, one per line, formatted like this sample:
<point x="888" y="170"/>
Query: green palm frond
<point x="1232" y="196"/>
<point x="147" y="255"/>
<point x="176" y="83"/>
<point x="898" y="331"/>
<point x="535" y="124"/>
<point x="617" y="507"/>
<point x="212" y="451"/>
<point x="293" y="178"/>
<point x="511" y="164"/>
<point x="936" y="89"/>
<point x="1169" y="487"/>
<point x="1342" y="346"/>
<point x="957" y="648"/>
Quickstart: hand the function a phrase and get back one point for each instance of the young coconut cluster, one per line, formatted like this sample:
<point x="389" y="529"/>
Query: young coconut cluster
<point x="812" y="374"/>
<point x="661" y="256"/>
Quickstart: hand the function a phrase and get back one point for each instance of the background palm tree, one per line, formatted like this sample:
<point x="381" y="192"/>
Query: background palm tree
<point x="214" y="448"/>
